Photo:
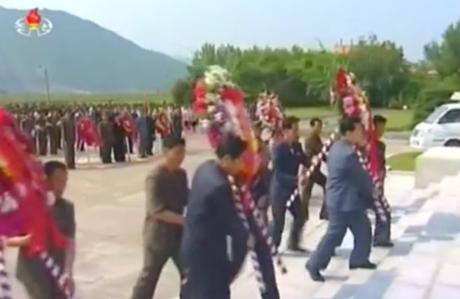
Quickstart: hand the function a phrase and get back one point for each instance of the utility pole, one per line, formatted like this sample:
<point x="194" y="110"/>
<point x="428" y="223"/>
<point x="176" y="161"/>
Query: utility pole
<point x="47" y="82"/>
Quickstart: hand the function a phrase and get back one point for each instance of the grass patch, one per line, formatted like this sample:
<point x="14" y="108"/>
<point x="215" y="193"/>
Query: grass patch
<point x="398" y="120"/>
<point x="309" y="112"/>
<point x="404" y="161"/>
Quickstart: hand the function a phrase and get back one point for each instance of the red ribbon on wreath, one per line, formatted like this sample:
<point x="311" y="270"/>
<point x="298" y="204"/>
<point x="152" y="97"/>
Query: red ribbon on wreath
<point x="87" y="132"/>
<point x="129" y="126"/>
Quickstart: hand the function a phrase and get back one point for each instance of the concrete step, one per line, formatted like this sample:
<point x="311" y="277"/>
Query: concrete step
<point x="423" y="263"/>
<point x="436" y="164"/>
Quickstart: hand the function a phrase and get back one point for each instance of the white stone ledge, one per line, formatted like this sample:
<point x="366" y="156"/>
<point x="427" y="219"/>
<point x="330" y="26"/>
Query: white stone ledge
<point x="435" y="164"/>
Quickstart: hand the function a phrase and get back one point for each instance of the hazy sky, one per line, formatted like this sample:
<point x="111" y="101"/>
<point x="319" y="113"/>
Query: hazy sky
<point x="178" y="27"/>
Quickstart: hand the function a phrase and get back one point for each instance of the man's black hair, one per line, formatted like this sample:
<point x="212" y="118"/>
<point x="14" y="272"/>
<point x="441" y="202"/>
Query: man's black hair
<point x="289" y="122"/>
<point x="348" y="124"/>
<point x="379" y="119"/>
<point x="315" y="120"/>
<point x="173" y="141"/>
<point x="231" y="146"/>
<point x="51" y="166"/>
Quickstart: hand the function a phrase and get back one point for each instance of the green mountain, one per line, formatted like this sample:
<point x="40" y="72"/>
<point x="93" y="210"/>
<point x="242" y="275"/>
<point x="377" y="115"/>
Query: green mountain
<point x="80" y="56"/>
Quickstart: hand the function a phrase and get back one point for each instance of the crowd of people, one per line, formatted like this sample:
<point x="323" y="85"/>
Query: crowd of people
<point x="210" y="241"/>
<point x="115" y="130"/>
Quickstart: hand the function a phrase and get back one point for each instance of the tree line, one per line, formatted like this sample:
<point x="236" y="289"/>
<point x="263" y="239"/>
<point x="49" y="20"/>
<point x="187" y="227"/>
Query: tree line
<point x="302" y="77"/>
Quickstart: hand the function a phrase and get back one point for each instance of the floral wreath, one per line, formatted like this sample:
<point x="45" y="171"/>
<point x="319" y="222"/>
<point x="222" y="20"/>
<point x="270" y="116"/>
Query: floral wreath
<point x="218" y="99"/>
<point x="23" y="196"/>
<point x="353" y="102"/>
<point x="269" y="111"/>
<point x="24" y="204"/>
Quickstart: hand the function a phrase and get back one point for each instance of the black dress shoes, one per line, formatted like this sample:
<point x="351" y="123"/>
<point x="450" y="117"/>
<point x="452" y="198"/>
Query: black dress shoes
<point x="314" y="274"/>
<point x="298" y="249"/>
<point x="368" y="266"/>
<point x="388" y="244"/>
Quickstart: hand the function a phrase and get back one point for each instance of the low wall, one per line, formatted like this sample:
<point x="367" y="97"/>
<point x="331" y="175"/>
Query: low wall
<point x="435" y="164"/>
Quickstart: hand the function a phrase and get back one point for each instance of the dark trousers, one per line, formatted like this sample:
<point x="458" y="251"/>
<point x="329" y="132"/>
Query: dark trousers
<point x="42" y="143"/>
<point x="268" y="272"/>
<point x="339" y="222"/>
<point x="142" y="147"/>
<point x="149" y="146"/>
<point x="106" y="153"/>
<point x="382" y="230"/>
<point x="279" y="216"/>
<point x="69" y="154"/>
<point x="43" y="289"/>
<point x="193" y="288"/>
<point x="59" y="138"/>
<point x="154" y="261"/>
<point x="119" y="150"/>
<point x="317" y="178"/>
<point x="54" y="143"/>
<point x="130" y="145"/>
<point x="33" y="138"/>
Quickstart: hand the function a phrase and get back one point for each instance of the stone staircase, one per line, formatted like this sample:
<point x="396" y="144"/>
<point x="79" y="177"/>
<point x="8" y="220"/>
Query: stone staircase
<point x="425" y="262"/>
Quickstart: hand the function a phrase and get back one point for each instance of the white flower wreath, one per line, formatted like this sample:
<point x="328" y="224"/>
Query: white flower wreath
<point x="216" y="77"/>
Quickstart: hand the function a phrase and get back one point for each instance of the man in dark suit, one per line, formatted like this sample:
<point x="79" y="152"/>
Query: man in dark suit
<point x="313" y="146"/>
<point x="42" y="134"/>
<point x="142" y="128"/>
<point x="150" y="132"/>
<point x="68" y="137"/>
<point x="119" y="140"/>
<point x="53" y="132"/>
<point x="215" y="240"/>
<point x="287" y="157"/>
<point x="349" y="194"/>
<point x="105" y="129"/>
<point x="176" y="122"/>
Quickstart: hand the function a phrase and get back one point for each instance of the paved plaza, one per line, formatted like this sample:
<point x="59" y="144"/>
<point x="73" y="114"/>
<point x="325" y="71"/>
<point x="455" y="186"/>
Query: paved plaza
<point x="425" y="262"/>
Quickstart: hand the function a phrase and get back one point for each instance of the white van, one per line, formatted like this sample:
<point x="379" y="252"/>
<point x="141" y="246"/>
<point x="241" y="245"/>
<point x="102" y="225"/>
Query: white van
<point x="440" y="128"/>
